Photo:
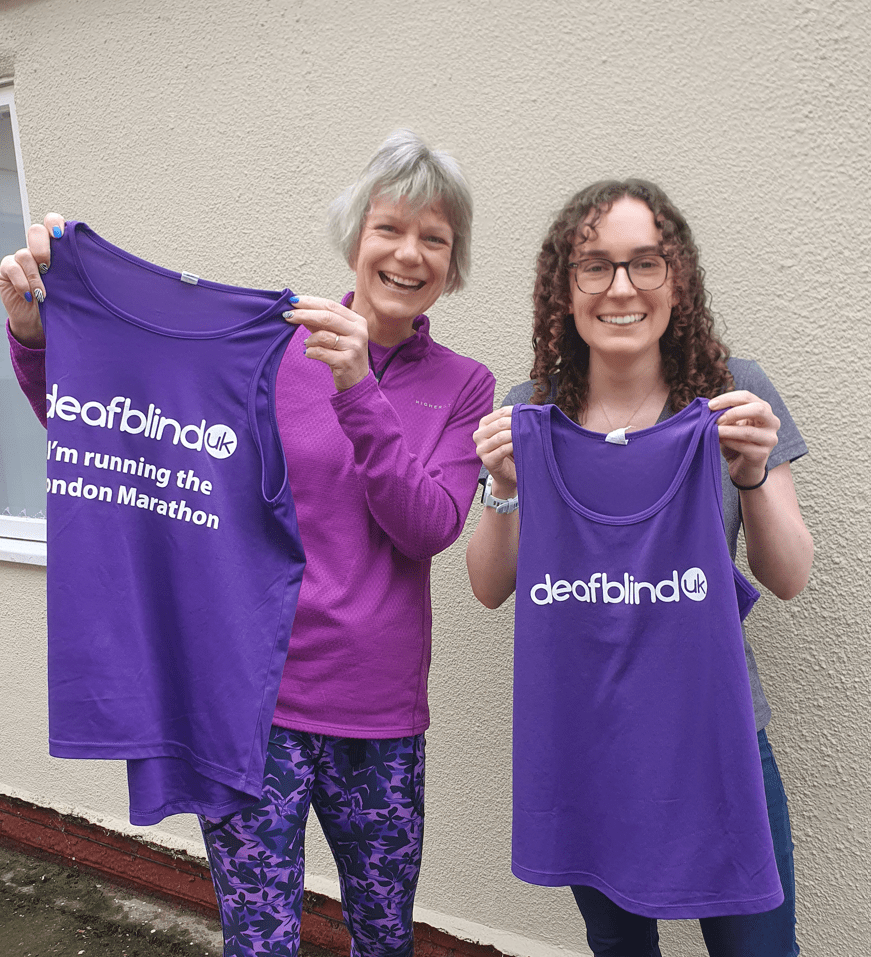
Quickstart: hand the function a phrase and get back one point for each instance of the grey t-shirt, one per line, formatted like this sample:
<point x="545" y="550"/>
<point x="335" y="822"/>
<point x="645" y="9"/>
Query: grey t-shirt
<point x="790" y="446"/>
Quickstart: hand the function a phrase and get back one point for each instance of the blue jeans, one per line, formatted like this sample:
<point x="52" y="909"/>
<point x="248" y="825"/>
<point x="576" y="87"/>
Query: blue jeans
<point x="614" y="932"/>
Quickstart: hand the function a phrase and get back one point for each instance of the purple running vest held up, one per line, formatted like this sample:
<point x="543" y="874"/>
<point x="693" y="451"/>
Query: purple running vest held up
<point x="174" y="558"/>
<point x="636" y="762"/>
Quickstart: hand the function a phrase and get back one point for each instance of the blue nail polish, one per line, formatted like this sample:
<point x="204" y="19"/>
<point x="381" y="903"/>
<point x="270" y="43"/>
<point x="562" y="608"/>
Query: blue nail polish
<point x="56" y="232"/>
<point x="294" y="299"/>
<point x="304" y="350"/>
<point x="28" y="297"/>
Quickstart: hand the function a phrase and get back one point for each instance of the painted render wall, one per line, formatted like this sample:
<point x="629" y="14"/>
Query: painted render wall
<point x="210" y="137"/>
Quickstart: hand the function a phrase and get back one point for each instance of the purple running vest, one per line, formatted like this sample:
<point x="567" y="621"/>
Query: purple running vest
<point x="174" y="558"/>
<point x="636" y="762"/>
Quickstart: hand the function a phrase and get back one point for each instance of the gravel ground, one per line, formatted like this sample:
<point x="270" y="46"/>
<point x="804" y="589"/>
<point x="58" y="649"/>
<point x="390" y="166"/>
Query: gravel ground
<point x="47" y="910"/>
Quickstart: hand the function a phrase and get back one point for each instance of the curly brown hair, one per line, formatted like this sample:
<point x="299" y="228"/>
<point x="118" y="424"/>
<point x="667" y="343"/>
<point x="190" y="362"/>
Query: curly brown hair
<point x="694" y="359"/>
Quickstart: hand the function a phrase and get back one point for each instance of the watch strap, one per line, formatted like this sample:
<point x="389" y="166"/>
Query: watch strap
<point x="502" y="505"/>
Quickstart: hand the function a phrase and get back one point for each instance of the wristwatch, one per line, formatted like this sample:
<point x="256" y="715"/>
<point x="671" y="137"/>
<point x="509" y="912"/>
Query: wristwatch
<point x="502" y="505"/>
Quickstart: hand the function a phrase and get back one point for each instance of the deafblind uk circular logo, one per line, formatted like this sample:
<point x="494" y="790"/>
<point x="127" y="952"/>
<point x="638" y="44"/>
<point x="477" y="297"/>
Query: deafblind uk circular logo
<point x="220" y="441"/>
<point x="694" y="584"/>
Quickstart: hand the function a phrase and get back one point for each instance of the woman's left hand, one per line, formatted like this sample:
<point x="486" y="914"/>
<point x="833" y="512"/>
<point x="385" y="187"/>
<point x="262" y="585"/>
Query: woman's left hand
<point x="748" y="432"/>
<point x="339" y="338"/>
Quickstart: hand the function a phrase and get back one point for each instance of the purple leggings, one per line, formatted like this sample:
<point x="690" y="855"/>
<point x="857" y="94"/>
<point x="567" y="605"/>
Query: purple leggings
<point x="368" y="796"/>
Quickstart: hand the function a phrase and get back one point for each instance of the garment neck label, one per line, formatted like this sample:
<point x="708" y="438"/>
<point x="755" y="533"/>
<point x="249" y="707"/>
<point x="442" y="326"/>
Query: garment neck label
<point x="618" y="436"/>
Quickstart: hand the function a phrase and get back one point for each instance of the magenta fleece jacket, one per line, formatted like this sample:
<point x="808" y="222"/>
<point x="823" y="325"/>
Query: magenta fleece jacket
<point x="383" y="476"/>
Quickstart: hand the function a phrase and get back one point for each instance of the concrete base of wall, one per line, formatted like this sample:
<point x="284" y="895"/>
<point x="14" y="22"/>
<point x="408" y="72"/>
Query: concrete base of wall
<point x="180" y="879"/>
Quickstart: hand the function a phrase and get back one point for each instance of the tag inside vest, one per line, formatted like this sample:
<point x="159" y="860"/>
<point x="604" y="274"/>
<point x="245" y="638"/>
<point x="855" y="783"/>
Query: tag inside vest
<point x="618" y="437"/>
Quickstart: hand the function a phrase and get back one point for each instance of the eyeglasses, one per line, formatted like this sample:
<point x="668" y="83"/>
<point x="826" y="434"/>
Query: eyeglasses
<point x="596" y="275"/>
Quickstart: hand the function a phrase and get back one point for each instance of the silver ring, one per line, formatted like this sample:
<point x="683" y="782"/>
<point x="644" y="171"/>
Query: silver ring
<point x="336" y="342"/>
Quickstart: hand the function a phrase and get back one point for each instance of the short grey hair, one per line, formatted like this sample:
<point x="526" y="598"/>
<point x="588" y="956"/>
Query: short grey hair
<point x="404" y="167"/>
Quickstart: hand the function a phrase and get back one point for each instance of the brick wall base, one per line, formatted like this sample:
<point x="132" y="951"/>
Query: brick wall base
<point x="180" y="879"/>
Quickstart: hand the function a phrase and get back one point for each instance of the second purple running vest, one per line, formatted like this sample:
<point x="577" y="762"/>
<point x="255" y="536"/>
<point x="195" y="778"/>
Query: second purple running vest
<point x="636" y="763"/>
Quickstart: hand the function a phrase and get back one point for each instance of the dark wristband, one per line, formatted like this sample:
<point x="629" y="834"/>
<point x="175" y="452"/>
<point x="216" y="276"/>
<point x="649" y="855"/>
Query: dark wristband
<point x="749" y="488"/>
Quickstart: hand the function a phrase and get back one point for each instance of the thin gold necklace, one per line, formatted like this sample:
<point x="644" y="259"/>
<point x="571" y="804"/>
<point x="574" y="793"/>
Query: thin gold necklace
<point x="617" y="436"/>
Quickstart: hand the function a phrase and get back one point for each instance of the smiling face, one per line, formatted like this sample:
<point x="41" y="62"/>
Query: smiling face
<point x="623" y="320"/>
<point x="402" y="264"/>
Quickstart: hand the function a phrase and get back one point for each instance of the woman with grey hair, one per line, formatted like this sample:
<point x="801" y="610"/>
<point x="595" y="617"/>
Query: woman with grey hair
<point x="376" y="420"/>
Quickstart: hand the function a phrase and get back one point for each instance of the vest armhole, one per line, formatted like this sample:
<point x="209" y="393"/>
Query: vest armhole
<point x="264" y="422"/>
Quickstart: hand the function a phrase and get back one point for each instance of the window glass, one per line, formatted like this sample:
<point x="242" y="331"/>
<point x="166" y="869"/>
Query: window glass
<point x="22" y="438"/>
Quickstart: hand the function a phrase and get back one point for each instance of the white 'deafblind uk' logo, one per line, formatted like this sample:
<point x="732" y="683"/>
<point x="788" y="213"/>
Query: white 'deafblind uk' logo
<point x="622" y="589"/>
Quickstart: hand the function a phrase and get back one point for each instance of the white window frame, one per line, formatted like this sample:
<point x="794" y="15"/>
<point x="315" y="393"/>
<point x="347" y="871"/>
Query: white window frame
<point x="21" y="539"/>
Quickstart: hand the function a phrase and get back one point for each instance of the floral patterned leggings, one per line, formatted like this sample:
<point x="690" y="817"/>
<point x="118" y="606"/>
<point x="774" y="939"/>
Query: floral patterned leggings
<point x="368" y="797"/>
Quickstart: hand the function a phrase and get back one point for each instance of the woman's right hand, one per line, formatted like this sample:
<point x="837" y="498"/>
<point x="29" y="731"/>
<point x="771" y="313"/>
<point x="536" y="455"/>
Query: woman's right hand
<point x="21" y="286"/>
<point x="495" y="449"/>
<point x="491" y="556"/>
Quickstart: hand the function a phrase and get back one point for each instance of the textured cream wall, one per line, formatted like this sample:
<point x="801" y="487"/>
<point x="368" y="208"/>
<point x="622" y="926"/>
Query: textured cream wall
<point x="210" y="136"/>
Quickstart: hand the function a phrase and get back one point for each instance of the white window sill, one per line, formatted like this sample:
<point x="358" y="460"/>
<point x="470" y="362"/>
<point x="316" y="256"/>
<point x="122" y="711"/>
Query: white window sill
<point x="22" y="540"/>
<point x="24" y="552"/>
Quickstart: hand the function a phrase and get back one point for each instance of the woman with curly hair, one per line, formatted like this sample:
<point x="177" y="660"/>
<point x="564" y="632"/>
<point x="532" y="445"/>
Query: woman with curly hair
<point x="643" y="777"/>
